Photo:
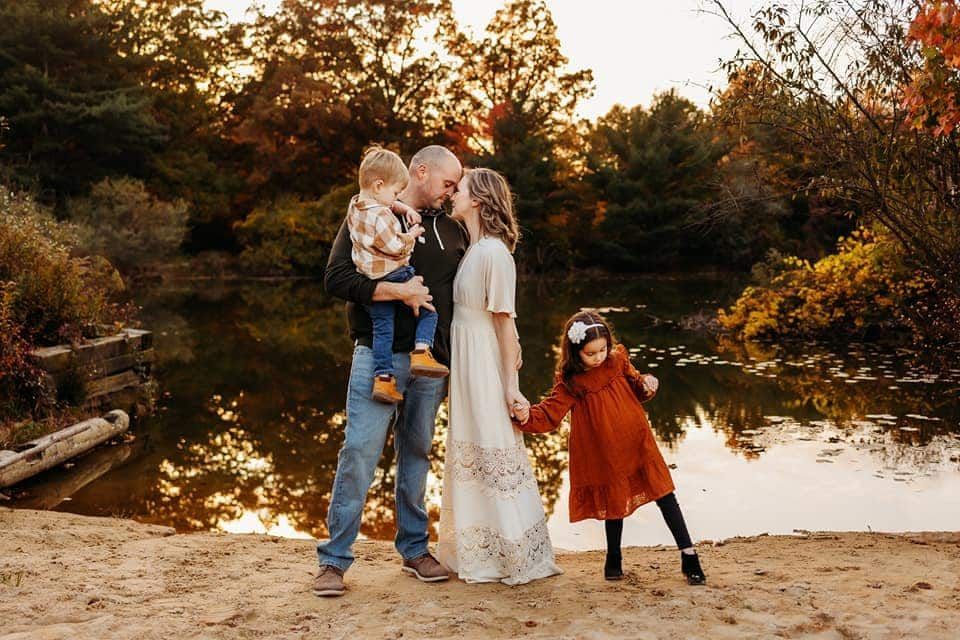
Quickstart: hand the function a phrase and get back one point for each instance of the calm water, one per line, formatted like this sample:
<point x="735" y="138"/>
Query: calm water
<point x="762" y="439"/>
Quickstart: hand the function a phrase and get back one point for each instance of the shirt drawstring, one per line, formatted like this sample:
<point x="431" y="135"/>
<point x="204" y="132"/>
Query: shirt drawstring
<point x="437" y="233"/>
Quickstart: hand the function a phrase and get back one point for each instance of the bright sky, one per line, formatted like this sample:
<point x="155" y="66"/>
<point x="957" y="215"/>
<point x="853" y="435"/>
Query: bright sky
<point x="635" y="47"/>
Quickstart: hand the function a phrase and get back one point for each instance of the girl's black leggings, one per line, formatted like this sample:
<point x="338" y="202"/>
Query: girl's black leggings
<point x="672" y="515"/>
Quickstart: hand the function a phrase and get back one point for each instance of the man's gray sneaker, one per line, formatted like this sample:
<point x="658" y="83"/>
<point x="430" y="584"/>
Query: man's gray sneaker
<point x="426" y="569"/>
<point x="329" y="582"/>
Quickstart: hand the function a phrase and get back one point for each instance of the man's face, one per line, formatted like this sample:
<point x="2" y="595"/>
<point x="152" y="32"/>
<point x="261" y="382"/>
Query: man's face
<point x="441" y="182"/>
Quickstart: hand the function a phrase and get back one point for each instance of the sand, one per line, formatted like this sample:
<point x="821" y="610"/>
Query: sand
<point x="68" y="576"/>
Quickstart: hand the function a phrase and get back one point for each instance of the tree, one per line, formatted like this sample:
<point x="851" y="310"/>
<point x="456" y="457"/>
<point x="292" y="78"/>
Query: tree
<point x="75" y="108"/>
<point x="654" y="168"/>
<point x="764" y="197"/>
<point x="332" y="76"/>
<point x="186" y="57"/>
<point x="850" y="65"/>
<point x="517" y="103"/>
<point x="933" y="95"/>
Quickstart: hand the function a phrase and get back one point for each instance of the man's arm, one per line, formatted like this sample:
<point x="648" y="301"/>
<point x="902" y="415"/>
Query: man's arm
<point x="341" y="279"/>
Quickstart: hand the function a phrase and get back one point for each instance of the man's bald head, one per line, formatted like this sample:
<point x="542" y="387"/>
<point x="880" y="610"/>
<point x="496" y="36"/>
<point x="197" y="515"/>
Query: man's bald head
<point x="434" y="174"/>
<point x="434" y="156"/>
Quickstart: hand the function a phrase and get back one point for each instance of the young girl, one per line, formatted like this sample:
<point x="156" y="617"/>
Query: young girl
<point x="615" y="465"/>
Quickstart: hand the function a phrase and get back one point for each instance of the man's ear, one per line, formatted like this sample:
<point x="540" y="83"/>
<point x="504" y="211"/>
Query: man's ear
<point x="421" y="171"/>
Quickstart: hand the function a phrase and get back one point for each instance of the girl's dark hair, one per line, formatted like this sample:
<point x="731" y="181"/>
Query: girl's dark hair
<point x="570" y="363"/>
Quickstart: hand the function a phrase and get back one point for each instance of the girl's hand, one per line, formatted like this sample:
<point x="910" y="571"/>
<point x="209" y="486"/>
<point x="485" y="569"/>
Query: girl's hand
<point x="523" y="415"/>
<point x="650" y="384"/>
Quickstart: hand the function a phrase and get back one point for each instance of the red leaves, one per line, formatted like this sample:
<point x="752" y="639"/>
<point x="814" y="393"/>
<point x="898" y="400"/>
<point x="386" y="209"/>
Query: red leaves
<point x="932" y="96"/>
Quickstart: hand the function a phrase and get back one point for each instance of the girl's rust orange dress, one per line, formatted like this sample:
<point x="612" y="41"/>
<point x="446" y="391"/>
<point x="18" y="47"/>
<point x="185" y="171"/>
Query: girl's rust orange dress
<point x="615" y="464"/>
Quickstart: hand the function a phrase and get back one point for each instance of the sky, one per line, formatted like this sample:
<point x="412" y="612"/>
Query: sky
<point x="635" y="48"/>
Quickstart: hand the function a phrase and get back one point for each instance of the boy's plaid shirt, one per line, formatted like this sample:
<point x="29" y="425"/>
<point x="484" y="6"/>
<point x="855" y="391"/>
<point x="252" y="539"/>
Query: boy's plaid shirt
<point x="379" y="244"/>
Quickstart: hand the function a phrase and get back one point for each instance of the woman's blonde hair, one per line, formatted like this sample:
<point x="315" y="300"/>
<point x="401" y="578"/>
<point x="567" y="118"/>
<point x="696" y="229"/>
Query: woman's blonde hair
<point x="381" y="164"/>
<point x="492" y="193"/>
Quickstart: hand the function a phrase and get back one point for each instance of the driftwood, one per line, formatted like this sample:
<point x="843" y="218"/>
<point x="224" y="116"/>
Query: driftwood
<point x="51" y="489"/>
<point x="38" y="455"/>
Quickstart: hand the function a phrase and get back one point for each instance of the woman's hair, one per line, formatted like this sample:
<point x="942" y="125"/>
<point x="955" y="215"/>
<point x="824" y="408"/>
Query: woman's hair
<point x="381" y="164"/>
<point x="570" y="363"/>
<point x="492" y="193"/>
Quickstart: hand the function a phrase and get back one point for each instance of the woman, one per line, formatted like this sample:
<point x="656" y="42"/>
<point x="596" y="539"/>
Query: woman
<point x="492" y="522"/>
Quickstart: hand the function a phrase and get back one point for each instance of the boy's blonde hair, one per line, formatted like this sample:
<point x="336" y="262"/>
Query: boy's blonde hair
<point x="381" y="164"/>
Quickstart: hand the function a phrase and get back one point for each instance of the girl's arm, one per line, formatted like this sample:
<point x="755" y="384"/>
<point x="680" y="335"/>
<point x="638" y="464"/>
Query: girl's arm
<point x="509" y="341"/>
<point x="549" y="413"/>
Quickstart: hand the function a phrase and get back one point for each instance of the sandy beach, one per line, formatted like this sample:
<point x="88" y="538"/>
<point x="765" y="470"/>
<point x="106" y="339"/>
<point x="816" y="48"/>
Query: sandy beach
<point x="68" y="576"/>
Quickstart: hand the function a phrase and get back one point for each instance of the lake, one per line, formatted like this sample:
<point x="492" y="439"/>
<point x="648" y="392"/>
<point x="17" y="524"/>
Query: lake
<point x="761" y="438"/>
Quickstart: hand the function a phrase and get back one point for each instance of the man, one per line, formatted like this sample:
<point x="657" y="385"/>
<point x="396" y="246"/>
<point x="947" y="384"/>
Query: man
<point x="434" y="174"/>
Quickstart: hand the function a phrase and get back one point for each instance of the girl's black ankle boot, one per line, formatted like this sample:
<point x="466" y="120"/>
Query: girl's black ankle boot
<point x="612" y="568"/>
<point x="690" y="565"/>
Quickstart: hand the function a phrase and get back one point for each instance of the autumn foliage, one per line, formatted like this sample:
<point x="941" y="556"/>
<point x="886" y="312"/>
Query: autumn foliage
<point x="933" y="97"/>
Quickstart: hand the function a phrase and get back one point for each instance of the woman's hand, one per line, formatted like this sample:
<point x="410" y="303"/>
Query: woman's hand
<point x="518" y="406"/>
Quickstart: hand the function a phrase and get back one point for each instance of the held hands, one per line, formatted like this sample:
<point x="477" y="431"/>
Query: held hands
<point x="518" y="406"/>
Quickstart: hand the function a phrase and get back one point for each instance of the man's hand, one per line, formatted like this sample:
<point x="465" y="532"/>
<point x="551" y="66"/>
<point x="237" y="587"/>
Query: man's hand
<point x="414" y="294"/>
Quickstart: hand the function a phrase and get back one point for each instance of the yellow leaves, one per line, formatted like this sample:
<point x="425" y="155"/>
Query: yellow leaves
<point x="844" y="293"/>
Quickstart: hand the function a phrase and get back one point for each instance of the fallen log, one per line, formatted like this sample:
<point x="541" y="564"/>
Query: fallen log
<point x="38" y="455"/>
<point x="51" y="489"/>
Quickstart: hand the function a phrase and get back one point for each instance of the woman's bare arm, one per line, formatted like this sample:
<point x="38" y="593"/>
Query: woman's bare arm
<point x="509" y="341"/>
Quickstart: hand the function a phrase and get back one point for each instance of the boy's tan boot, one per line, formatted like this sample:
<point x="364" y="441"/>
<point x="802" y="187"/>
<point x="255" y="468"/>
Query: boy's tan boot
<point x="385" y="389"/>
<point x="422" y="363"/>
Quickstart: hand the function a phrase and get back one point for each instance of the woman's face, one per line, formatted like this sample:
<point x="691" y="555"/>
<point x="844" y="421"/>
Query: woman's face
<point x="594" y="353"/>
<point x="462" y="201"/>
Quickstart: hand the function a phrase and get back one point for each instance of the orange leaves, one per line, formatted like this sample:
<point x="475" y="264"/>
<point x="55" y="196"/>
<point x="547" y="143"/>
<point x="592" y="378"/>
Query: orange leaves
<point x="933" y="97"/>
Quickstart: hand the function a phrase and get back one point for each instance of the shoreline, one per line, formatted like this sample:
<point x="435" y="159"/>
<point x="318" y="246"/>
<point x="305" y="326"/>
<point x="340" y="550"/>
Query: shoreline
<point x="70" y="576"/>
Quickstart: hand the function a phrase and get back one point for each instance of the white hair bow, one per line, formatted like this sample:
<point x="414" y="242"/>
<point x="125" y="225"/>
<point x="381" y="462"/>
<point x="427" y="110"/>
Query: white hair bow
<point x="578" y="331"/>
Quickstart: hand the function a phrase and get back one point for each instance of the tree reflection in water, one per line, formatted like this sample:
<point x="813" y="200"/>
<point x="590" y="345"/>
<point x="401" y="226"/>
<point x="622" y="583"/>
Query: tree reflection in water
<point x="255" y="376"/>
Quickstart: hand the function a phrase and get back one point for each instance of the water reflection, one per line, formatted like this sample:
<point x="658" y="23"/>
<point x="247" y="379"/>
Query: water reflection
<point x="254" y="377"/>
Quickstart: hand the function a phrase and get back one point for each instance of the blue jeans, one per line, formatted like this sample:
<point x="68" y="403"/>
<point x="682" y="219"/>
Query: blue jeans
<point x="366" y="433"/>
<point x="381" y="314"/>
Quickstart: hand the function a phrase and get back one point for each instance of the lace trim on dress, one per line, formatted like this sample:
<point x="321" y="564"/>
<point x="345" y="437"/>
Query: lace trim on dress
<point x="500" y="472"/>
<point x="480" y="548"/>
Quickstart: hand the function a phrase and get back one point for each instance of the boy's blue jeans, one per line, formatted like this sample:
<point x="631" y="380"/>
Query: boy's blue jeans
<point x="382" y="313"/>
<point x="364" y="438"/>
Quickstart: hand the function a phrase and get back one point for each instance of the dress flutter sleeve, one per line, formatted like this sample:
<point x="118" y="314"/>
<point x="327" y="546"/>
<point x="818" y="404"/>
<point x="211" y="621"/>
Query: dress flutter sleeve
<point x="500" y="272"/>
<point x="634" y="377"/>
<point x="547" y="414"/>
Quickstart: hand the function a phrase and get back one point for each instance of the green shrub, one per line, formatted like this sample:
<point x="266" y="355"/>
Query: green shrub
<point x="53" y="295"/>
<point x="47" y="296"/>
<point x="291" y="236"/>
<point x="863" y="290"/>
<point x="128" y="225"/>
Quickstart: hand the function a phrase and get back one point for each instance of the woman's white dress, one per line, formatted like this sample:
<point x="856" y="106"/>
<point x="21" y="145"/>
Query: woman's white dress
<point x="492" y="523"/>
